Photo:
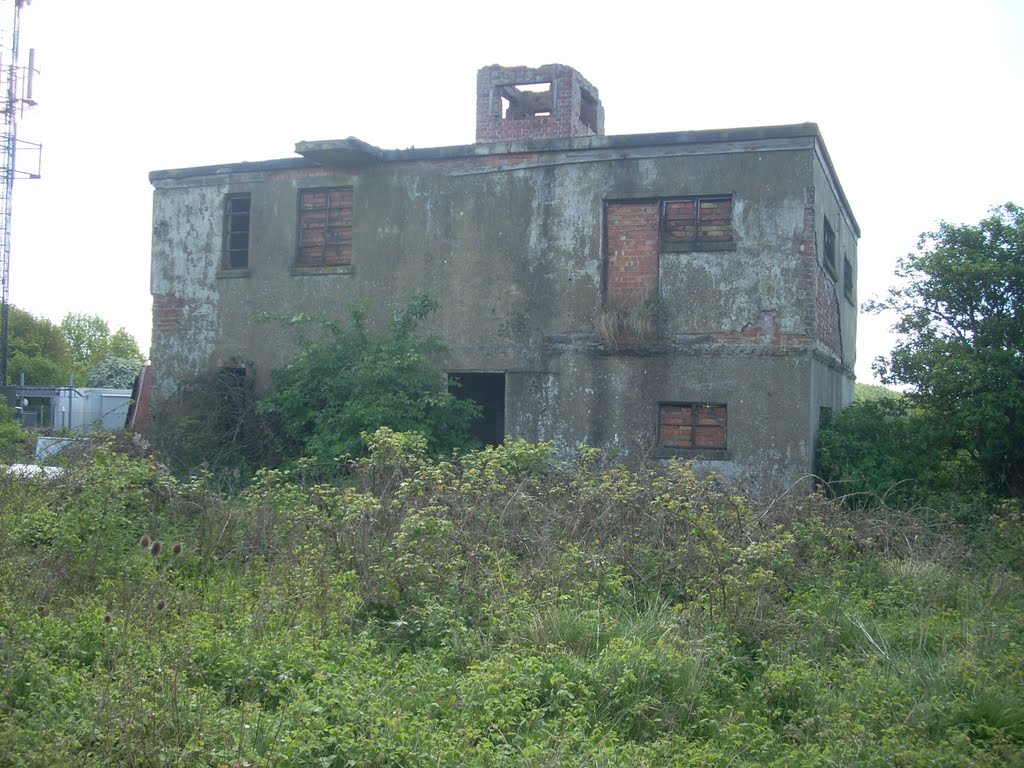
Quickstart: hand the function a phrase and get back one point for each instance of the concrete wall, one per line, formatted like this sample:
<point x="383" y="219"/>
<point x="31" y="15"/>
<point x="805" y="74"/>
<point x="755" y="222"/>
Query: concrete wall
<point x="511" y="239"/>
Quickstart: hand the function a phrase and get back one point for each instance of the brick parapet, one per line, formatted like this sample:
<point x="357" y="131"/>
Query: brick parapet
<point x="572" y="105"/>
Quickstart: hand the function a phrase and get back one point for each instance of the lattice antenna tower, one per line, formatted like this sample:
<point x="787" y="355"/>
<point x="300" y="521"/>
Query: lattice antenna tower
<point x="16" y="89"/>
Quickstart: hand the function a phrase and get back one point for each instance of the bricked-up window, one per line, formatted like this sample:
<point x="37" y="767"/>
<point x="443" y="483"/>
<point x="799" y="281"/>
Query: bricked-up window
<point x="697" y="223"/>
<point x="325" y="227"/>
<point x="828" y="256"/>
<point x="631" y="245"/>
<point x="848" y="279"/>
<point x="236" y="231"/>
<point x="692" y="426"/>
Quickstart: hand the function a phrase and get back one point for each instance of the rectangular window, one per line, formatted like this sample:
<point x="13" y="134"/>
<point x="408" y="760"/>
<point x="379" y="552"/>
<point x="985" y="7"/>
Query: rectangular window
<point x="692" y="425"/>
<point x="325" y="227"/>
<point x="848" y="280"/>
<point x="236" y="231"/>
<point x="697" y="223"/>
<point x="828" y="256"/>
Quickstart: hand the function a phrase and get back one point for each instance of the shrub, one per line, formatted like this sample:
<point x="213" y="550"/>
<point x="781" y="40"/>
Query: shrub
<point x="346" y="381"/>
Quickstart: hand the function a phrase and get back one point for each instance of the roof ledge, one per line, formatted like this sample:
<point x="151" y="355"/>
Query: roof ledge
<point x="340" y="153"/>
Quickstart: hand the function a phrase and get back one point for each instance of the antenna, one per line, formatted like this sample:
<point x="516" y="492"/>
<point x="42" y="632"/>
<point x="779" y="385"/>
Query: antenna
<point x="13" y="105"/>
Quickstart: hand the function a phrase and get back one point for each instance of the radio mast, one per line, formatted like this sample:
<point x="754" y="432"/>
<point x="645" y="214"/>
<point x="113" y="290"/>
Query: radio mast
<point x="16" y="93"/>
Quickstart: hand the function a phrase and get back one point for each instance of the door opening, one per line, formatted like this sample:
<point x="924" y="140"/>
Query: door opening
<point x="488" y="391"/>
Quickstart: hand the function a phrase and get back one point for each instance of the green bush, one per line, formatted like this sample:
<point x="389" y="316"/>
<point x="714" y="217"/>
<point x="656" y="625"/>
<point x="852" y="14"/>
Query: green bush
<point x="499" y="608"/>
<point x="883" y="451"/>
<point x="346" y="381"/>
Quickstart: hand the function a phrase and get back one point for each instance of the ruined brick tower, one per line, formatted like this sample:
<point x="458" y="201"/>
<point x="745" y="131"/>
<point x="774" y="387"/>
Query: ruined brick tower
<point x="552" y="101"/>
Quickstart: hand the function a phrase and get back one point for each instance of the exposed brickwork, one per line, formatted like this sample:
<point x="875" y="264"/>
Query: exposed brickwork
<point x="819" y="293"/>
<point x="827" y="308"/>
<point x="631" y="243"/>
<point x="168" y="312"/>
<point x="570" y="107"/>
<point x="692" y="425"/>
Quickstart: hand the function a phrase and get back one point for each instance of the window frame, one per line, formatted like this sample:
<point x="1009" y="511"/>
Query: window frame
<point x="848" y="281"/>
<point x="671" y="243"/>
<point x="315" y="264"/>
<point x="828" y="249"/>
<point x="230" y="231"/>
<point x="693" y="443"/>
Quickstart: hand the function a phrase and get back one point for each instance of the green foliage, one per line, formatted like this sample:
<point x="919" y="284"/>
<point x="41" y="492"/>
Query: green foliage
<point x="864" y="392"/>
<point x="38" y="349"/>
<point x="15" y="443"/>
<point x="884" y="451"/>
<point x="94" y="349"/>
<point x="961" y="304"/>
<point x="346" y="381"/>
<point x="495" y="609"/>
<point x="48" y="353"/>
<point x="114" y="372"/>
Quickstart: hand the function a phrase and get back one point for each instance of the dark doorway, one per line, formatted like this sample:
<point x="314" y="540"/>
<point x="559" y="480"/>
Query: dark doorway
<point x="488" y="391"/>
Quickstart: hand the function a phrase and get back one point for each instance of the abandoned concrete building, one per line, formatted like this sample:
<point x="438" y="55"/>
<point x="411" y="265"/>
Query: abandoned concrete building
<point x="669" y="294"/>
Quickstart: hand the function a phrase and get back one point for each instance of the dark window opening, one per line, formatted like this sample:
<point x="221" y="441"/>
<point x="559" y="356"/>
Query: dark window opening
<point x="588" y="111"/>
<point x="828" y="256"/>
<point x="488" y="391"/>
<point x="692" y="426"/>
<point x="237" y="209"/>
<point x="848" y="291"/>
<point x="697" y="223"/>
<point x="325" y="227"/>
<point x="526" y="100"/>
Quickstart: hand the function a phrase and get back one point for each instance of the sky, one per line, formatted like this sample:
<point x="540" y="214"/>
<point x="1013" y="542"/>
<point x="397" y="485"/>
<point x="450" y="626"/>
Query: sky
<point x="919" y="104"/>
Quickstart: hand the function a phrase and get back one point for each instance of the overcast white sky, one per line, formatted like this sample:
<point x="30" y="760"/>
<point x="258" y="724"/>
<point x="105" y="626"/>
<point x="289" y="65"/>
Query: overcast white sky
<point x="920" y="104"/>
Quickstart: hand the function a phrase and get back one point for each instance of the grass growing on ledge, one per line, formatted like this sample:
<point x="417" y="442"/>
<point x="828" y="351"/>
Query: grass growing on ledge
<point x="498" y="609"/>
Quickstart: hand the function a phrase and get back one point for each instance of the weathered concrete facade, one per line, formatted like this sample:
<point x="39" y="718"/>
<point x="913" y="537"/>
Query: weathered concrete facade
<point x="687" y="293"/>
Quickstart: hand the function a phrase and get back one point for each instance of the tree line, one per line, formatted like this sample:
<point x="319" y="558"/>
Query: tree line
<point x="81" y="345"/>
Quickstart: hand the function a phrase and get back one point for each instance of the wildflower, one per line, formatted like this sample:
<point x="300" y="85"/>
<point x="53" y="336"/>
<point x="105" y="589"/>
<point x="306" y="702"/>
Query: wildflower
<point x="177" y="548"/>
<point x="161" y="604"/>
<point x="145" y="542"/>
<point x="157" y="548"/>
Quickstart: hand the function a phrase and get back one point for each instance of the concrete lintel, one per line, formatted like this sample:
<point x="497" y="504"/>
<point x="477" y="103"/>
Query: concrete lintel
<point x="340" y="153"/>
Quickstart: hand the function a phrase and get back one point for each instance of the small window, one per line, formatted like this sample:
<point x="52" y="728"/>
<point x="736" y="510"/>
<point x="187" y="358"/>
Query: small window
<point x="828" y="256"/>
<point x="697" y="223"/>
<point x="236" y="231"/>
<point x="692" y="426"/>
<point x="325" y="227"/>
<point x="848" y="280"/>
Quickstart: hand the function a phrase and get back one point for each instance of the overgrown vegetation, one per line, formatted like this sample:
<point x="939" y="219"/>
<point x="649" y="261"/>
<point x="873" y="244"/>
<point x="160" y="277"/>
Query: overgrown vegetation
<point x="213" y="425"/>
<point x="498" y="609"/>
<point x="346" y="381"/>
<point x="955" y="440"/>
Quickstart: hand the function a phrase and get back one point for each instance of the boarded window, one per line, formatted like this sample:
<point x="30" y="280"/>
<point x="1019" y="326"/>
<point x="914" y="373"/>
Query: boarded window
<point x="697" y="223"/>
<point x="692" y="426"/>
<point x="848" y="287"/>
<point x="828" y="256"/>
<point x="325" y="227"/>
<point x="236" y="231"/>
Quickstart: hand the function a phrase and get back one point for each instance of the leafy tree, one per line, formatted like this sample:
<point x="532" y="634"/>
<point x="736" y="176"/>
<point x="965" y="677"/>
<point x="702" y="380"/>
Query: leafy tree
<point x="87" y="336"/>
<point x="38" y="349"/>
<point x="962" y="350"/>
<point x="346" y="381"/>
<point x="91" y="344"/>
<point x="114" y="372"/>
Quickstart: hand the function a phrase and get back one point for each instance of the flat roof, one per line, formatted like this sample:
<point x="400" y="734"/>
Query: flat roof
<point x="353" y="154"/>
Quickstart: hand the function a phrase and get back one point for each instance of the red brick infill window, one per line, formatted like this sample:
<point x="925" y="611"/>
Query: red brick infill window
<point x="692" y="425"/>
